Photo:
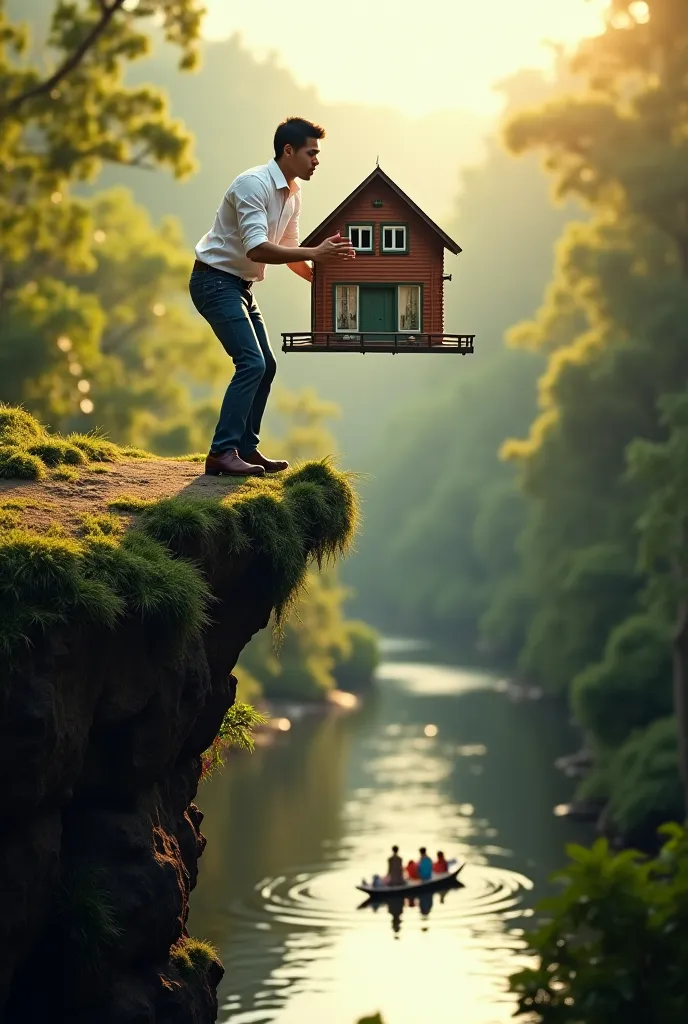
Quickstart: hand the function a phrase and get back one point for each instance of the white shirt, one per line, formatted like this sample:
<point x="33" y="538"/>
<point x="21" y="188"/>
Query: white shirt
<point x="259" y="206"/>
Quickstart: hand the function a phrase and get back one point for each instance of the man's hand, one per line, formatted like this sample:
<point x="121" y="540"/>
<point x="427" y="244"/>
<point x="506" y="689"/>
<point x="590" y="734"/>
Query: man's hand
<point x="334" y="249"/>
<point x="304" y="270"/>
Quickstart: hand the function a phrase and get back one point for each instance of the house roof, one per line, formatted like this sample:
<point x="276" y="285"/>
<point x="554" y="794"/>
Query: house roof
<point x="377" y="172"/>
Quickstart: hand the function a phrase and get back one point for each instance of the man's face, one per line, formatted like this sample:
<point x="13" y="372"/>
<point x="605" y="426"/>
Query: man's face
<point x="305" y="160"/>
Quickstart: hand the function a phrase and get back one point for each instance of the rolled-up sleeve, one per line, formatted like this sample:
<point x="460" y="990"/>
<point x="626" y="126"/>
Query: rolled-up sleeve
<point x="291" y="232"/>
<point x="250" y="199"/>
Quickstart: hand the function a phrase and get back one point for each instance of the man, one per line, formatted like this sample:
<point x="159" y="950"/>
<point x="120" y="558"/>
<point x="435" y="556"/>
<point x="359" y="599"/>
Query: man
<point x="424" y="866"/>
<point x="257" y="223"/>
<point x="395" y="868"/>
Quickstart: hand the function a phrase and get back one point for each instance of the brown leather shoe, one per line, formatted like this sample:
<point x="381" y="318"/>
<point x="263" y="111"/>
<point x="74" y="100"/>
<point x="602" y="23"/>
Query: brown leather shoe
<point x="269" y="465"/>
<point x="229" y="464"/>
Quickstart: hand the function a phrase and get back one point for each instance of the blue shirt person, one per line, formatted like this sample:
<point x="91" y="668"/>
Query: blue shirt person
<point x="424" y="866"/>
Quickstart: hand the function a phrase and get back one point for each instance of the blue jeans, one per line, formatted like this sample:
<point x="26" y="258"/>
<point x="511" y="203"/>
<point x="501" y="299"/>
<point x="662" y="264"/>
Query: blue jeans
<point x="228" y="304"/>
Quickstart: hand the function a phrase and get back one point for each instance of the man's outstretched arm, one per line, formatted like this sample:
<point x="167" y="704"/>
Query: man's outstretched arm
<point x="330" y="249"/>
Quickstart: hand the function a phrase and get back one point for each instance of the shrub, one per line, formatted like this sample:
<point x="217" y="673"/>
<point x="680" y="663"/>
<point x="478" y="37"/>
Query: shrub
<point x="236" y="729"/>
<point x="355" y="669"/>
<point x="631" y="686"/>
<point x="644" y="783"/>
<point x="615" y="941"/>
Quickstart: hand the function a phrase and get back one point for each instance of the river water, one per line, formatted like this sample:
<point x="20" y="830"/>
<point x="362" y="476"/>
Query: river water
<point x="293" y="827"/>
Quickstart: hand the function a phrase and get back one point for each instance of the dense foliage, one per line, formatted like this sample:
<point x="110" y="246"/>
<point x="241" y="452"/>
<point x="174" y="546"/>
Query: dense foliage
<point x="569" y="559"/>
<point x="615" y="942"/>
<point x="94" y="326"/>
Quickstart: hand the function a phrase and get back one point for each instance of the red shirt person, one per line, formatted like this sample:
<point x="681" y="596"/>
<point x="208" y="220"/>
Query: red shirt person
<point x="440" y="867"/>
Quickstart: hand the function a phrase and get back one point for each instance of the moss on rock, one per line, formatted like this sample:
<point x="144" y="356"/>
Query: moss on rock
<point x="153" y="569"/>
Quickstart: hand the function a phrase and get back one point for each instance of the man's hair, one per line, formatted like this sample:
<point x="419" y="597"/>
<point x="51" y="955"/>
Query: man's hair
<point x="422" y="850"/>
<point x="395" y="849"/>
<point x="295" y="131"/>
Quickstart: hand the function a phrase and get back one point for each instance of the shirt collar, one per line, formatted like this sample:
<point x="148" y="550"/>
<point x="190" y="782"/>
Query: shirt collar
<point x="279" y="179"/>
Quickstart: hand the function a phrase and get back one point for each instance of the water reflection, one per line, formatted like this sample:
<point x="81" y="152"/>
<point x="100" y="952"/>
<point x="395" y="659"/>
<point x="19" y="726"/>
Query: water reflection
<point x="293" y="829"/>
<point x="394" y="905"/>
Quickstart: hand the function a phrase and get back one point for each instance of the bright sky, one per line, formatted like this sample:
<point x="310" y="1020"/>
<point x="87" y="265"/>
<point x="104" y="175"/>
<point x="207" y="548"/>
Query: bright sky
<point x="418" y="55"/>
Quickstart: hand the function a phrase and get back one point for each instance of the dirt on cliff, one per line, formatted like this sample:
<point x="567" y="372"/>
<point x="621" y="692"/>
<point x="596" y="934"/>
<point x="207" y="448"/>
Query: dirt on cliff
<point x="64" y="501"/>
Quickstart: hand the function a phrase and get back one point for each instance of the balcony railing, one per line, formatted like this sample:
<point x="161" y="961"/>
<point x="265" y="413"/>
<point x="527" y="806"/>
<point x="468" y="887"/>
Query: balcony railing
<point x="376" y="341"/>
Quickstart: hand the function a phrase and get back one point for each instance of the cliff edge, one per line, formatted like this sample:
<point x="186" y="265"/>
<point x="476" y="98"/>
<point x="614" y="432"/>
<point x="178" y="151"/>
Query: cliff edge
<point x="128" y="587"/>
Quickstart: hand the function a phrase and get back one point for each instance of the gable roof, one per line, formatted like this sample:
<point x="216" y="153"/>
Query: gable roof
<point x="377" y="172"/>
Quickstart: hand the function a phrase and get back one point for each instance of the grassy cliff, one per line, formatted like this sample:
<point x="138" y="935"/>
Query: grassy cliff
<point x="129" y="585"/>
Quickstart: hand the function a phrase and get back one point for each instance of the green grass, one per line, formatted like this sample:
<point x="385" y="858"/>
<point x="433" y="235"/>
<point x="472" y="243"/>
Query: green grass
<point x="87" y="911"/>
<point x="105" y="525"/>
<point x="27" y="449"/>
<point x="56" y="452"/>
<point x="193" y="956"/>
<point x="236" y="731"/>
<point x="70" y="473"/>
<point x="153" y="573"/>
<point x="129" y="503"/>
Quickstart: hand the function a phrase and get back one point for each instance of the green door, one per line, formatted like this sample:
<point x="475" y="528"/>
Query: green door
<point x="377" y="308"/>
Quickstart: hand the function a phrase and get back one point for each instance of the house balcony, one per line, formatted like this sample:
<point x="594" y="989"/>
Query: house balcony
<point x="396" y="342"/>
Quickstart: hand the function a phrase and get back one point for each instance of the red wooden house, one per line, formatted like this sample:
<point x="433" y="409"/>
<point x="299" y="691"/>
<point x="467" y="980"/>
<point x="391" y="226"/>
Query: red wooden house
<point x="391" y="297"/>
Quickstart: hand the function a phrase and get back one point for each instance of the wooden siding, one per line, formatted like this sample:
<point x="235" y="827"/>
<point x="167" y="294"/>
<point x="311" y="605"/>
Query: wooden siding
<point x="423" y="265"/>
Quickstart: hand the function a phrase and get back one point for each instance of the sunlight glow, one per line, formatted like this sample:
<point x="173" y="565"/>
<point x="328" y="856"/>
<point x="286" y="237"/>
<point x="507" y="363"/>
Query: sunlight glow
<point x="444" y="55"/>
<point x="640" y="12"/>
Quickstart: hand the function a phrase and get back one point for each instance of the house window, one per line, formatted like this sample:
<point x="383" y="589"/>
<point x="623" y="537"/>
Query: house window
<point x="361" y="236"/>
<point x="346" y="307"/>
<point x="409" y="307"/>
<point x="394" y="238"/>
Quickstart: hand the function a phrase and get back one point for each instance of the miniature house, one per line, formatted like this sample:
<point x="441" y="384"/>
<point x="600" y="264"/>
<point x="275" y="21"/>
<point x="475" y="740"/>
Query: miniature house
<point x="391" y="297"/>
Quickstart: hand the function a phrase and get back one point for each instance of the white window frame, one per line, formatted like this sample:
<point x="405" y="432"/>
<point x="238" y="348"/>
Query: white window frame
<point x="410" y="330"/>
<point x="346" y="330"/>
<point x="394" y="228"/>
<point x="359" y="228"/>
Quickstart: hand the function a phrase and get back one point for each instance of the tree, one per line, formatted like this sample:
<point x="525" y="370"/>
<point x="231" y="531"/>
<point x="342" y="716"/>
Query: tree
<point x="58" y="130"/>
<point x="114" y="343"/>
<point x="613" y="320"/>
<point x="664" y="552"/>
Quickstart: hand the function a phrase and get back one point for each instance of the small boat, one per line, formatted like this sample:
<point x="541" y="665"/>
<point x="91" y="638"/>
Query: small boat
<point x="409" y="888"/>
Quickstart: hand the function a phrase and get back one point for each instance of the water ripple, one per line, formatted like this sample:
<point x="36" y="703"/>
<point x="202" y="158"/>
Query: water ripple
<point x="324" y="897"/>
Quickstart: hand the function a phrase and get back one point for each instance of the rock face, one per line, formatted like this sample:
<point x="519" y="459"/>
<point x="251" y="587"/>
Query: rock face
<point x="100" y="747"/>
<point x="126" y="596"/>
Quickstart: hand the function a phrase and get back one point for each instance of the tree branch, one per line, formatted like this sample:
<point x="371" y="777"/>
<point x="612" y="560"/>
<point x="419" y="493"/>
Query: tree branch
<point x="72" y="62"/>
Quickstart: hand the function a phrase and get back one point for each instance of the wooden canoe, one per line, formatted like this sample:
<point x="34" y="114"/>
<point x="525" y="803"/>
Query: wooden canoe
<point x="411" y="888"/>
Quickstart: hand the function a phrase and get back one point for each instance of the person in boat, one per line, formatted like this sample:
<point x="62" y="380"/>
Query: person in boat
<point x="395" y="868"/>
<point x="440" y="867"/>
<point x="424" y="866"/>
<point x="412" y="871"/>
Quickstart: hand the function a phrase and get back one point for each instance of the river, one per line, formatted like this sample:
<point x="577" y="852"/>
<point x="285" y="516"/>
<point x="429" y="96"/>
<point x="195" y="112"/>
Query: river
<point x="438" y="755"/>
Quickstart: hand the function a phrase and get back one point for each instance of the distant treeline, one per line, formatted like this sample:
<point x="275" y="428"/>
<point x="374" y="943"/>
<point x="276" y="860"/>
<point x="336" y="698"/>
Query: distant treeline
<point x="554" y="539"/>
